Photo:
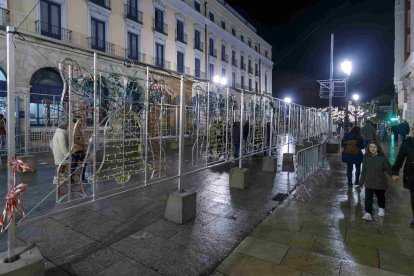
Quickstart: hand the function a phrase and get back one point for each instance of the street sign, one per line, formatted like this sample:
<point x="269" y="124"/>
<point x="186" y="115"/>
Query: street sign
<point x="339" y="88"/>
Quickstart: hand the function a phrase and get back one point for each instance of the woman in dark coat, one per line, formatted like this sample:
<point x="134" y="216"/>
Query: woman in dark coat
<point x="406" y="153"/>
<point x="353" y="143"/>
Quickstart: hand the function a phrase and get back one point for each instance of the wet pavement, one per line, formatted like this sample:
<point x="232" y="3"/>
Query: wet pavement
<point x="325" y="235"/>
<point x="126" y="234"/>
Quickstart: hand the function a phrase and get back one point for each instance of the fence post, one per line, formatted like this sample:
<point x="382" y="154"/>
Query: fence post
<point x="146" y="104"/>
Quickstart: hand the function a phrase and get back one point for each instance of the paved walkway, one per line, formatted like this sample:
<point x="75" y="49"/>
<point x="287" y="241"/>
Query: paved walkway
<point x="325" y="235"/>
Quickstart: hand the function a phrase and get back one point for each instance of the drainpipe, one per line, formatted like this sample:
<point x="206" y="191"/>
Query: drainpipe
<point x="206" y="43"/>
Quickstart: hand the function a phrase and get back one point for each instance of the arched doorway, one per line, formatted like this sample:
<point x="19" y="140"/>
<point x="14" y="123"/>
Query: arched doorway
<point x="45" y="92"/>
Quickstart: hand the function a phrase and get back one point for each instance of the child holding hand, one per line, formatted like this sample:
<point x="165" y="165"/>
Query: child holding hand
<point x="373" y="177"/>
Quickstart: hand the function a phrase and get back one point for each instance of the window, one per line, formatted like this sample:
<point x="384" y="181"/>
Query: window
<point x="180" y="62"/>
<point x="242" y="38"/>
<point x="211" y="47"/>
<point x="233" y="58"/>
<point x="233" y="79"/>
<point x="133" y="46"/>
<point x="211" y="16"/>
<point x="50" y="19"/>
<point x="159" y="55"/>
<point x="250" y="84"/>
<point x="223" y="25"/>
<point x="242" y="82"/>
<point x="233" y="31"/>
<point x="223" y="53"/>
<point x="197" y="6"/>
<point x="159" y="20"/>
<point x="256" y="69"/>
<point x="197" y="66"/>
<point x="132" y="11"/>
<point x="98" y="35"/>
<point x="197" y="40"/>
<point x="223" y="72"/>
<point x="242" y="65"/>
<point x="180" y="31"/>
<point x="256" y="48"/>
<point x="249" y="66"/>
<point x="211" y="70"/>
<point x="249" y="43"/>
<point x="256" y="86"/>
<point x="265" y="82"/>
<point x="266" y="53"/>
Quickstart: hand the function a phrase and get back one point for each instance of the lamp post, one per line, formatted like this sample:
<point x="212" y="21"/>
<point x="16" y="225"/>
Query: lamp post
<point x="355" y="97"/>
<point x="346" y="67"/>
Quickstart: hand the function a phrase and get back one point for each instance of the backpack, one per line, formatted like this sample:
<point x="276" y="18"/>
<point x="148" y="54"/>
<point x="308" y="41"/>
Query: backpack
<point x="351" y="147"/>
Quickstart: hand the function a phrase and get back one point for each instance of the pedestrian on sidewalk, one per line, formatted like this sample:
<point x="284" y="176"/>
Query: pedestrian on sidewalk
<point x="373" y="177"/>
<point x="353" y="143"/>
<point x="406" y="156"/>
<point x="368" y="132"/>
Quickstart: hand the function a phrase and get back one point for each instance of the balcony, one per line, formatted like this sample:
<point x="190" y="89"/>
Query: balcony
<point x="243" y="66"/>
<point x="161" y="63"/>
<point x="198" y="45"/>
<point x="182" y="69"/>
<point x="250" y="70"/>
<point x="134" y="55"/>
<point x="213" y="52"/>
<point x="107" y="47"/>
<point x="133" y="13"/>
<point x="181" y="37"/>
<point x="49" y="30"/>
<point x="160" y="27"/>
<point x="224" y="58"/>
<point x="103" y="3"/>
<point x="257" y="73"/>
<point x="234" y="62"/>
<point x="199" y="74"/>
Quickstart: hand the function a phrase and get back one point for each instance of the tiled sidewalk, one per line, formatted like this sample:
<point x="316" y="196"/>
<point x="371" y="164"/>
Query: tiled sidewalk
<point x="325" y="235"/>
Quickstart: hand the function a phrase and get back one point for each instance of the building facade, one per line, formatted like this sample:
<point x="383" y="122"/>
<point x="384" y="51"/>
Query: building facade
<point x="404" y="59"/>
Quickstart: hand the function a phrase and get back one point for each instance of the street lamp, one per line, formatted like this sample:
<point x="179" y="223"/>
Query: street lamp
<point x="219" y="80"/>
<point x="346" y="67"/>
<point x="288" y="99"/>
<point x="355" y="97"/>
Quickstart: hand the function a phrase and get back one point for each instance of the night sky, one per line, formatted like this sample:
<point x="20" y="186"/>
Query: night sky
<point x="300" y="34"/>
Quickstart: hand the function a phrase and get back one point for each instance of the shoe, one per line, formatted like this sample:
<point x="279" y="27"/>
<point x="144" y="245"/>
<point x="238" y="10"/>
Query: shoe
<point x="381" y="212"/>
<point x="367" y="216"/>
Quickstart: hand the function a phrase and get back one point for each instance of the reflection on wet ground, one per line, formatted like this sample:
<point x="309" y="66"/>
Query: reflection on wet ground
<point x="325" y="235"/>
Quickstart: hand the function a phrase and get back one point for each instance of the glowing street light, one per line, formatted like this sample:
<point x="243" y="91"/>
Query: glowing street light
<point x="219" y="80"/>
<point x="355" y="97"/>
<point x="288" y="100"/>
<point x="346" y="67"/>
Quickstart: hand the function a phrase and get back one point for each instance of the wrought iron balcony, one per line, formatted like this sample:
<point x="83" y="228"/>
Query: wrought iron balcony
<point x="103" y="3"/>
<point x="160" y="27"/>
<point x="134" y="55"/>
<point x="132" y="12"/>
<point x="257" y="73"/>
<point x="250" y="70"/>
<point x="224" y="57"/>
<point x="199" y="74"/>
<point x="161" y="63"/>
<point x="49" y="30"/>
<point x="234" y="62"/>
<point x="107" y="47"/>
<point x="243" y="66"/>
<point x="181" y="36"/>
<point x="213" y="52"/>
<point x="198" y="45"/>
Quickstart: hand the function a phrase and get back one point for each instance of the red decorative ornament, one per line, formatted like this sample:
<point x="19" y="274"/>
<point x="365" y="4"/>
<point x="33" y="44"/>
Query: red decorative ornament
<point x="13" y="202"/>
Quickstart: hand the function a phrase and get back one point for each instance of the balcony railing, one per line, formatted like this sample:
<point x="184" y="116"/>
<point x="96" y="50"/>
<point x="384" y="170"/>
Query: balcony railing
<point x="182" y="37"/>
<point x="160" y="27"/>
<point x="161" y="63"/>
<point x="182" y="69"/>
<point x="213" y="52"/>
<point x="134" y="55"/>
<point x="256" y="73"/>
<point x="133" y="13"/>
<point x="224" y="58"/>
<point x="250" y="70"/>
<point x="243" y="66"/>
<point x="199" y="74"/>
<point x="107" y="47"/>
<point x="198" y="45"/>
<point x="234" y="62"/>
<point x="49" y="30"/>
<point x="103" y="3"/>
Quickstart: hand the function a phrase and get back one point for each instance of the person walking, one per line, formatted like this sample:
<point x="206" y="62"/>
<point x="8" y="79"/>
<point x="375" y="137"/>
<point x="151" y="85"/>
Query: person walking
<point x="368" y="132"/>
<point x="406" y="156"/>
<point x="373" y="177"/>
<point x="395" y="130"/>
<point x="382" y="131"/>
<point x="352" y="144"/>
<point x="404" y="130"/>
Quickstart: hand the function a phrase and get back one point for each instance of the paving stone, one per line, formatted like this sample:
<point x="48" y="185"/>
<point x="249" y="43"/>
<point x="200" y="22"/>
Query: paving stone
<point x="395" y="262"/>
<point x="268" y="251"/>
<point x="351" y="269"/>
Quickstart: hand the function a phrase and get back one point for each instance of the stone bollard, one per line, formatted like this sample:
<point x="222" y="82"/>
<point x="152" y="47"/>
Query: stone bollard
<point x="269" y="164"/>
<point x="181" y="206"/>
<point x="30" y="262"/>
<point x="239" y="178"/>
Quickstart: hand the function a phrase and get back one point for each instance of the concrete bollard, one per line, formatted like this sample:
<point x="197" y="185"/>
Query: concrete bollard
<point x="181" y="207"/>
<point x="30" y="262"/>
<point x="269" y="164"/>
<point x="239" y="178"/>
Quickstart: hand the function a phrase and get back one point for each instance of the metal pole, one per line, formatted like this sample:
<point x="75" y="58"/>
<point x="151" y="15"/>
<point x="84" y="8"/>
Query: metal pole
<point x="271" y="132"/>
<point x="95" y="126"/>
<point x="181" y="138"/>
<point x="176" y="123"/>
<point x="241" y="129"/>
<point x="70" y="134"/>
<point x="208" y="123"/>
<point x="227" y="123"/>
<point x="288" y="129"/>
<point x="11" y="121"/>
<point x="346" y="123"/>
<point x="27" y="125"/>
<point x="331" y="88"/>
<point x="146" y="127"/>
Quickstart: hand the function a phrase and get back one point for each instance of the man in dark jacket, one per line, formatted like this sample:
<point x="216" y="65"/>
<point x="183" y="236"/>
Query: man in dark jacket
<point x="236" y="138"/>
<point x="404" y="129"/>
<point x="406" y="153"/>
<point x="352" y="154"/>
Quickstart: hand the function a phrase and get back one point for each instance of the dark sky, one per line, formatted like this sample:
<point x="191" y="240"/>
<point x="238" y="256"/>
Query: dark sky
<point x="300" y="35"/>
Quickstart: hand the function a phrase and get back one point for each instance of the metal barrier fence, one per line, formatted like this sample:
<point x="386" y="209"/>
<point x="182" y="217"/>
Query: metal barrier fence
<point x="128" y="126"/>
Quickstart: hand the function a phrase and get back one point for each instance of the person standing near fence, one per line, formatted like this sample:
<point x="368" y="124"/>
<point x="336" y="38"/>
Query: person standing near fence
<point x="406" y="156"/>
<point x="373" y="177"/>
<point x="2" y="131"/>
<point x="353" y="143"/>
